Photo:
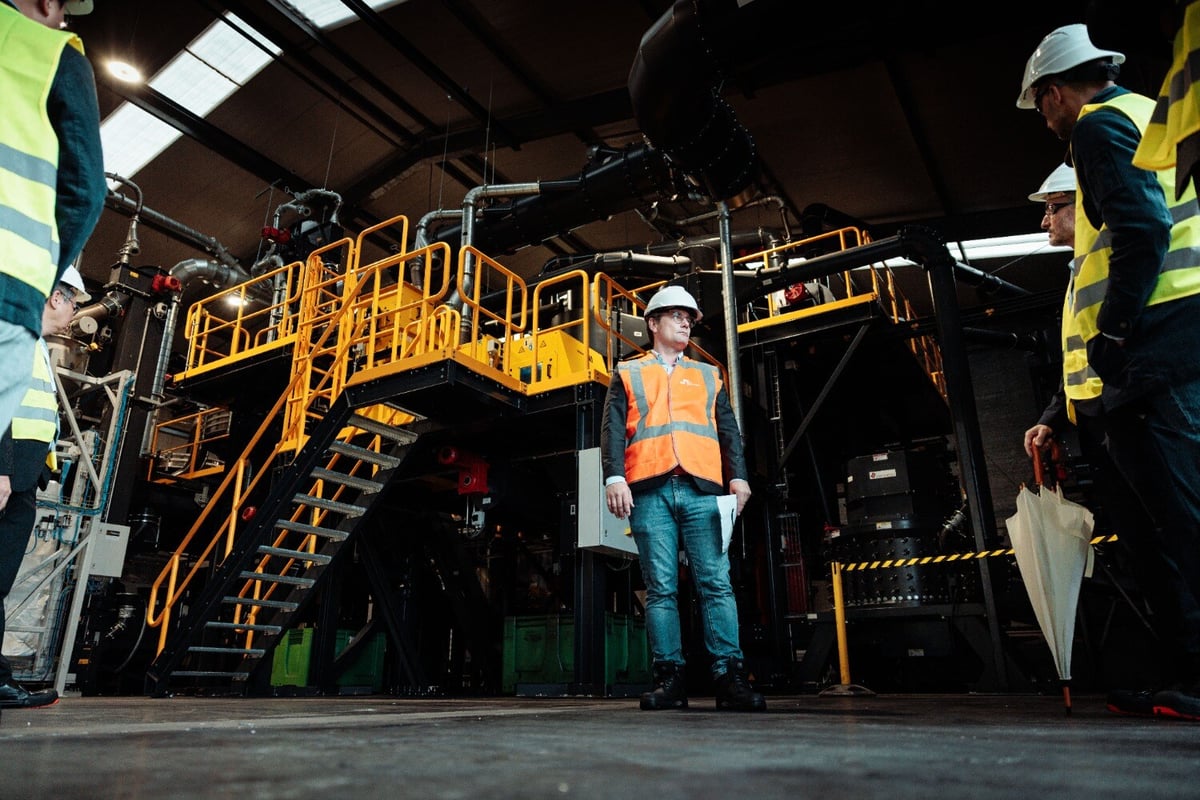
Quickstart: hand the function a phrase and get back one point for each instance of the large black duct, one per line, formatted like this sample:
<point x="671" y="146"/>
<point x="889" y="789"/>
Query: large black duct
<point x="612" y="181"/>
<point x="676" y="81"/>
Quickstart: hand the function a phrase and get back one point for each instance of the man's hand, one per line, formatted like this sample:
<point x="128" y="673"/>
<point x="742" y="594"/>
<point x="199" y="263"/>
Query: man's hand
<point x="742" y="489"/>
<point x="1038" y="436"/>
<point x="5" y="491"/>
<point x="619" y="499"/>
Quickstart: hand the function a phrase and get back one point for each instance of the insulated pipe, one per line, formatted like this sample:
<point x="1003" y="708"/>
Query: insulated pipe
<point x="468" y="238"/>
<point x="613" y="181"/>
<point x="421" y="239"/>
<point x="673" y="86"/>
<point x="164" y="353"/>
<point x="221" y="275"/>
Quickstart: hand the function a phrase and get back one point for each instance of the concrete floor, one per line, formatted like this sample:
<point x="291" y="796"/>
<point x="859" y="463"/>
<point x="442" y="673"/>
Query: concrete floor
<point x="882" y="746"/>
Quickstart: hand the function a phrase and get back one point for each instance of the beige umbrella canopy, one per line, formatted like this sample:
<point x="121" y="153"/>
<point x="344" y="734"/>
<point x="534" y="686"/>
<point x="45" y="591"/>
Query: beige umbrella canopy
<point x="1051" y="539"/>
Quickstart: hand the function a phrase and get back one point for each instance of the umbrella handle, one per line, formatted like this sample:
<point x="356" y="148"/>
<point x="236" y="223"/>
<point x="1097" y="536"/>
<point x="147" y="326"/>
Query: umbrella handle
<point x="1039" y="470"/>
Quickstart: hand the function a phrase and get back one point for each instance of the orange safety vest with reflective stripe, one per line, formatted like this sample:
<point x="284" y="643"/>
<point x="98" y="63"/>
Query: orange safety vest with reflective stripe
<point x="29" y="243"/>
<point x="671" y="419"/>
<point x="1179" y="275"/>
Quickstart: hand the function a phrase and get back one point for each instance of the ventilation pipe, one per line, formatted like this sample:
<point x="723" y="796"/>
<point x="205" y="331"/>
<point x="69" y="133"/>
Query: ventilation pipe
<point x="674" y="85"/>
<point x="612" y="181"/>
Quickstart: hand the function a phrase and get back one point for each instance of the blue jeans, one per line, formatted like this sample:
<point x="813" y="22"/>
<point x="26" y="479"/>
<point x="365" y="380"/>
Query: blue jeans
<point x="661" y="517"/>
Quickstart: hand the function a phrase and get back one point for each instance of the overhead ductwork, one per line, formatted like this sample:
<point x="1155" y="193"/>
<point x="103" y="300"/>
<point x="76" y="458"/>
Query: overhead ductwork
<point x="675" y="86"/>
<point x="613" y="181"/>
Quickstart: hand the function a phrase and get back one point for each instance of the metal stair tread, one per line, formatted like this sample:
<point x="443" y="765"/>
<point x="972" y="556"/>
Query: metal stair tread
<point x="299" y="555"/>
<point x="382" y="429"/>
<point x="269" y="577"/>
<point x="243" y="626"/>
<point x="286" y="605"/>
<point x="315" y="530"/>
<point x="366" y="485"/>
<point x="258" y="652"/>
<point x="364" y="454"/>
<point x="346" y="509"/>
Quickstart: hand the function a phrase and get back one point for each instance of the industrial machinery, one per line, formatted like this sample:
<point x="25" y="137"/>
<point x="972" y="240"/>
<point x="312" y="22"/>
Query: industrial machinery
<point x="387" y="435"/>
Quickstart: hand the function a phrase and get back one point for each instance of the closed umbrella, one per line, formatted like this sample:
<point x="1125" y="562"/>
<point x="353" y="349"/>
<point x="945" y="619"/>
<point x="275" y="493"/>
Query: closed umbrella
<point x="1051" y="538"/>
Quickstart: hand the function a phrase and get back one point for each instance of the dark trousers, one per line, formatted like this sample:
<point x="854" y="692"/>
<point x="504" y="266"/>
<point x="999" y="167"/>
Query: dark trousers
<point x="1155" y="443"/>
<point x="16" y="526"/>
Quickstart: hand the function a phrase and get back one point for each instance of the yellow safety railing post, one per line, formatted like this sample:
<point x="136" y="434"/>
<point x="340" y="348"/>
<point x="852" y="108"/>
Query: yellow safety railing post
<point x="845" y="688"/>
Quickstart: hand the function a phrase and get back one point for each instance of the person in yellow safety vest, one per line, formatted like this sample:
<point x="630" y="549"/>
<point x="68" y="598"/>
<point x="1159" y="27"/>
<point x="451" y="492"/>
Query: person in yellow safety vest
<point x="1135" y="304"/>
<point x="26" y="457"/>
<point x="1172" y="139"/>
<point x="670" y="444"/>
<point x="53" y="185"/>
<point x="1118" y="509"/>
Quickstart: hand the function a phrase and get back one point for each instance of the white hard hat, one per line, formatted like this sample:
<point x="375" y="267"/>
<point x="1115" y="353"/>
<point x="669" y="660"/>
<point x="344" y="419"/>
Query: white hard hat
<point x="73" y="279"/>
<point x="672" y="297"/>
<point x="78" y="8"/>
<point x="1061" y="180"/>
<point x="1060" y="50"/>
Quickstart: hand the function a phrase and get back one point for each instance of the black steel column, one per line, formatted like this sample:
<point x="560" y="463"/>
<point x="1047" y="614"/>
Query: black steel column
<point x="960" y="394"/>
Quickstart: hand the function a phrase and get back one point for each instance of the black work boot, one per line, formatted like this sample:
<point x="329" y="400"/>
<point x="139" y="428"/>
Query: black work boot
<point x="669" y="689"/>
<point x="734" y="692"/>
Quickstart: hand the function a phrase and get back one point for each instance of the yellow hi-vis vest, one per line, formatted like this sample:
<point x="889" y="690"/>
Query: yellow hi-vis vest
<point x="29" y="56"/>
<point x="1178" y="277"/>
<point x="671" y="419"/>
<point x="1177" y="112"/>
<point x="37" y="417"/>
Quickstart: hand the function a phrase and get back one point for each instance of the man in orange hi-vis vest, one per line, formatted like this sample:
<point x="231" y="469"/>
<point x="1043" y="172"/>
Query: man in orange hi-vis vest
<point x="671" y="446"/>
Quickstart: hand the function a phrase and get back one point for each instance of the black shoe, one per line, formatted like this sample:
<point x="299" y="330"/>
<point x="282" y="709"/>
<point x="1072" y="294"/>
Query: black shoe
<point x="1131" y="702"/>
<point x="15" y="696"/>
<point x="669" y="689"/>
<point x="734" y="692"/>
<point x="1179" y="702"/>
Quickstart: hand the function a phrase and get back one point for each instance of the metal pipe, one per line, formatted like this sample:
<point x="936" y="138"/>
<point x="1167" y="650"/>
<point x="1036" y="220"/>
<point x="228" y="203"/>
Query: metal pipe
<point x="421" y="239"/>
<point x="468" y="238"/>
<point x="119" y="202"/>
<point x="729" y="294"/>
<point x="112" y="304"/>
<point x="132" y="246"/>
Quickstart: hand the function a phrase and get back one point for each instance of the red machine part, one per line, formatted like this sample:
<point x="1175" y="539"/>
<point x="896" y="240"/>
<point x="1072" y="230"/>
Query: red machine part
<point x="165" y="284"/>
<point x="472" y="469"/>
<point x="276" y="235"/>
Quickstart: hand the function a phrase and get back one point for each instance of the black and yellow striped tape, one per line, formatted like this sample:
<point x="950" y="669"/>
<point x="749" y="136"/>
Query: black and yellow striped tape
<point x="943" y="559"/>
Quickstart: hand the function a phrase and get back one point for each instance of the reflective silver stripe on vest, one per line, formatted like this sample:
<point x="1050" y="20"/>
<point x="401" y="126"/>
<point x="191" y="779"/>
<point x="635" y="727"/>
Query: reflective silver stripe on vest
<point x="29" y="229"/>
<point x="29" y="167"/>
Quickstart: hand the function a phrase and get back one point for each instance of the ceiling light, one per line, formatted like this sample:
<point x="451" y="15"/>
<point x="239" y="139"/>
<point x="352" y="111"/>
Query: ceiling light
<point x="123" y="71"/>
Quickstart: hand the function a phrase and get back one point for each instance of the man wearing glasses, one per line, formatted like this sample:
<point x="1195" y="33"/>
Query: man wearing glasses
<point x="52" y="190"/>
<point x="1135" y="305"/>
<point x="671" y="445"/>
<point x="26" y="460"/>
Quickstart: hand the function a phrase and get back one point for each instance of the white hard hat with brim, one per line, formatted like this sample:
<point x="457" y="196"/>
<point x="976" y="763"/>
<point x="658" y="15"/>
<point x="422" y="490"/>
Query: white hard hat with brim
<point x="72" y="278"/>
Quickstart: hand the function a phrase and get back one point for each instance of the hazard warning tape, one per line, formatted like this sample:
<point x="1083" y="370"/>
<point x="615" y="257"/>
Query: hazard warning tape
<point x="944" y="559"/>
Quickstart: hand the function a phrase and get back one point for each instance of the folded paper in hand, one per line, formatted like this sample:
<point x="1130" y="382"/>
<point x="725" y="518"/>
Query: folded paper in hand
<point x="727" y="508"/>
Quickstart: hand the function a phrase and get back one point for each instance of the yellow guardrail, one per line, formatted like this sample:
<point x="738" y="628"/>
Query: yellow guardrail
<point x="881" y="285"/>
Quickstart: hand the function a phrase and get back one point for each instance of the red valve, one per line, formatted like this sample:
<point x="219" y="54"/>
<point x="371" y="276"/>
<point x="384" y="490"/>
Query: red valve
<point x="162" y="284"/>
<point x="276" y="235"/>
